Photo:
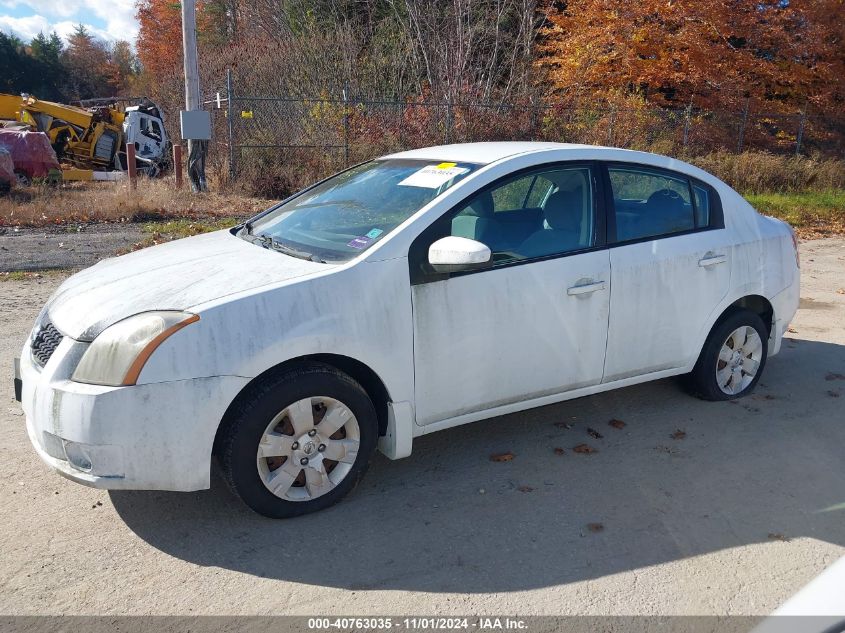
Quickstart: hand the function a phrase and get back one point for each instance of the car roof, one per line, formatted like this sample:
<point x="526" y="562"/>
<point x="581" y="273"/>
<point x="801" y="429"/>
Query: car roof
<point x="486" y="153"/>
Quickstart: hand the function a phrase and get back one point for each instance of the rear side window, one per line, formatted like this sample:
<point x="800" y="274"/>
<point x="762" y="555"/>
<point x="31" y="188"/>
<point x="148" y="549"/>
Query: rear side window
<point x="650" y="204"/>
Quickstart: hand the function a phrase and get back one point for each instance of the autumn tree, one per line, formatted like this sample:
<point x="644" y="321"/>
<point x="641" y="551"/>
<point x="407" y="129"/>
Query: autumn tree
<point x="123" y="66"/>
<point x="159" y="42"/>
<point x="710" y="52"/>
<point x="87" y="65"/>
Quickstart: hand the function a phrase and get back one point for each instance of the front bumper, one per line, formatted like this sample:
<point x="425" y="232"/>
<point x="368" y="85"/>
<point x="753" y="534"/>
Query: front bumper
<point x="144" y="437"/>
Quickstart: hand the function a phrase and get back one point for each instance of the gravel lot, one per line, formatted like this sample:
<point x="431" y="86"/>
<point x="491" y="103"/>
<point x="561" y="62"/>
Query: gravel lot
<point x="73" y="246"/>
<point x="705" y="508"/>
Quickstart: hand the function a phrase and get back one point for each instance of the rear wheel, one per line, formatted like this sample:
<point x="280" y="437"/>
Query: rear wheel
<point x="732" y="359"/>
<point x="300" y="441"/>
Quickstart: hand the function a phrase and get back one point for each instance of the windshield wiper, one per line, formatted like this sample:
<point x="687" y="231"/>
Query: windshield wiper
<point x="269" y="242"/>
<point x="264" y="240"/>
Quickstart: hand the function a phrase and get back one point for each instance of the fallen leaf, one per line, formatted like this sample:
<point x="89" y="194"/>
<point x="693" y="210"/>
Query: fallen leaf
<point x="777" y="536"/>
<point x="502" y="457"/>
<point x="617" y="424"/>
<point x="584" y="449"/>
<point x="525" y="489"/>
<point x="665" y="449"/>
<point x="595" y="527"/>
<point x="594" y="433"/>
<point x="563" y="425"/>
<point x="678" y="435"/>
<point x="559" y="451"/>
<point x="840" y="291"/>
<point x="833" y="376"/>
<point x="792" y="330"/>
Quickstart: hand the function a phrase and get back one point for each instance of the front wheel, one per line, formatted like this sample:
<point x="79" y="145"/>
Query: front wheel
<point x="732" y="359"/>
<point x="299" y="442"/>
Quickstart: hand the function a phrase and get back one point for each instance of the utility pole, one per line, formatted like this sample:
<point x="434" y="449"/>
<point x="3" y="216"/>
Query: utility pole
<point x="197" y="143"/>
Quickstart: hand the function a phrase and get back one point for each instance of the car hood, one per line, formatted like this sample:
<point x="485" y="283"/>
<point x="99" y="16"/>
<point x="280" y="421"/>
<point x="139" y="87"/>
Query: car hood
<point x="172" y="276"/>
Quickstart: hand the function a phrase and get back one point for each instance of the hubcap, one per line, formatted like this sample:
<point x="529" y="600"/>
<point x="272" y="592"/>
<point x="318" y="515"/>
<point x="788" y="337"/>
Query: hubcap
<point x="308" y="448"/>
<point x="739" y="360"/>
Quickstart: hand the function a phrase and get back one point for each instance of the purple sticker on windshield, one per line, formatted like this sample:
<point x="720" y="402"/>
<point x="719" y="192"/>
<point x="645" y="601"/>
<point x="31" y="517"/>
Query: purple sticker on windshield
<point x="360" y="242"/>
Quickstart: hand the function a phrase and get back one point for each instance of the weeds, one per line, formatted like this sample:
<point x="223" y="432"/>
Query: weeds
<point x="811" y="213"/>
<point x="154" y="200"/>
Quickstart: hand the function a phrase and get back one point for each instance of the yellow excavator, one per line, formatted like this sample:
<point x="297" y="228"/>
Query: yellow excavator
<point x="90" y="142"/>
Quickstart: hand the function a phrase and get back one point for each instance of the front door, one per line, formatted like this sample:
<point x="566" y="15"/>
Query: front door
<point x="535" y="323"/>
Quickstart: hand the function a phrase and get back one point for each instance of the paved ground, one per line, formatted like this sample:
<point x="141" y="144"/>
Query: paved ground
<point x="72" y="246"/>
<point x="731" y="518"/>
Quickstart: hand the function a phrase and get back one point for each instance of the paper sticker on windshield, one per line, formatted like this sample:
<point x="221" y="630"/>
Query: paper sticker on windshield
<point x="360" y="242"/>
<point x="432" y="176"/>
<point x="373" y="234"/>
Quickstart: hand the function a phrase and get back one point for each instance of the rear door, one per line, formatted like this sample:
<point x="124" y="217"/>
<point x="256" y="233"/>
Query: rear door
<point x="670" y="267"/>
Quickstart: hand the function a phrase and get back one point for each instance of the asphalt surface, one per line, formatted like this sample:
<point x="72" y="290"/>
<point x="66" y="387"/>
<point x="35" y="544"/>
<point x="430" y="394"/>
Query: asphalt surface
<point x="690" y="508"/>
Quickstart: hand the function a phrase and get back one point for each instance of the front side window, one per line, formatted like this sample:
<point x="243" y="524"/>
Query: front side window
<point x="548" y="212"/>
<point x="348" y="213"/>
<point x="650" y="204"/>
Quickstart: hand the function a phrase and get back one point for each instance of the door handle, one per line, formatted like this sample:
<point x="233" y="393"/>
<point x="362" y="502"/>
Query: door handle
<point x="585" y="289"/>
<point x="712" y="260"/>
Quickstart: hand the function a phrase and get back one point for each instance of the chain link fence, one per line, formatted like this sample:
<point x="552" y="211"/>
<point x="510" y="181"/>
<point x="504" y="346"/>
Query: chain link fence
<point x="286" y="142"/>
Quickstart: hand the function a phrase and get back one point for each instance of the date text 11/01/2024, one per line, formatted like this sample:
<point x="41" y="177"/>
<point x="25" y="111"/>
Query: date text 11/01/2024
<point x="422" y="623"/>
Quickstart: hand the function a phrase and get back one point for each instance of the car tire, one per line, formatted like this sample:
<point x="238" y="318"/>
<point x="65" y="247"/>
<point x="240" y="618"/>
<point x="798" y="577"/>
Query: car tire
<point x="261" y="423"/>
<point x="23" y="179"/>
<point x="732" y="359"/>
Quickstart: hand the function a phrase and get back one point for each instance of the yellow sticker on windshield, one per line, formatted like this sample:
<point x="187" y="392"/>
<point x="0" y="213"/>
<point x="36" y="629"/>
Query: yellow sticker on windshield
<point x="446" y="165"/>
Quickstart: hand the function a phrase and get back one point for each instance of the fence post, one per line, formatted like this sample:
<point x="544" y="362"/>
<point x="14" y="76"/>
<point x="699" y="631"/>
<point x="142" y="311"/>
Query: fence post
<point x="687" y="115"/>
<point x="401" y="107"/>
<point x="230" y="123"/>
<point x="610" y="126"/>
<point x="346" y="125"/>
<point x="800" y="136"/>
<point x="742" y="125"/>
<point x="131" y="167"/>
<point x="177" y="164"/>
<point x="448" y="130"/>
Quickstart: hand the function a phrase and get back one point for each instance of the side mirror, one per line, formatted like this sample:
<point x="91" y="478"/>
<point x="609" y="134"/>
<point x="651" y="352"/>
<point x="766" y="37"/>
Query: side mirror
<point x="456" y="254"/>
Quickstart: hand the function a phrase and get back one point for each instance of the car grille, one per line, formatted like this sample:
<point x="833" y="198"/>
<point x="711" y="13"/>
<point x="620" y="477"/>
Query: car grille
<point x="45" y="343"/>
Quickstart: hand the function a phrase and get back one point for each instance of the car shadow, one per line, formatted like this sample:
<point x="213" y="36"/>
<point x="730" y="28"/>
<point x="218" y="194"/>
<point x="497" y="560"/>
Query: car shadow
<point x="682" y="478"/>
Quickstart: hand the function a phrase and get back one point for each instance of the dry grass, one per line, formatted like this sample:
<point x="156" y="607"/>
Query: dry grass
<point x="761" y="172"/>
<point x="114" y="202"/>
<point x="160" y="232"/>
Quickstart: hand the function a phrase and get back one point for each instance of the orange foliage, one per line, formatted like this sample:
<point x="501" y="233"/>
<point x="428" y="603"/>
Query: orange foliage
<point x="786" y="53"/>
<point x="159" y="36"/>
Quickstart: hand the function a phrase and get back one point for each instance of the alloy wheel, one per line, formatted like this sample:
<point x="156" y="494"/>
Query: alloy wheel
<point x="308" y="448"/>
<point x="739" y="360"/>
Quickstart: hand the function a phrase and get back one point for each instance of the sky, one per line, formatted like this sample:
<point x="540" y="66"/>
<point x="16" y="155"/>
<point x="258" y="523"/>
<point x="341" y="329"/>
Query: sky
<point x="109" y="20"/>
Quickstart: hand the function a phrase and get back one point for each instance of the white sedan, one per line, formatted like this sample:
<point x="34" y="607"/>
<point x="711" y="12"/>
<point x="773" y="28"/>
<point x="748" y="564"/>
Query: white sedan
<point x="409" y="294"/>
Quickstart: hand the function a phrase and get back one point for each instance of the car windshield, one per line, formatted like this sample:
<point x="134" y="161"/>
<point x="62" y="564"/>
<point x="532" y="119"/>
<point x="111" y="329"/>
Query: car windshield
<point x="348" y="213"/>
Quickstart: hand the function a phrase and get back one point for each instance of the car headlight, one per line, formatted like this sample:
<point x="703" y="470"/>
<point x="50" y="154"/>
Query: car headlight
<point x="117" y="356"/>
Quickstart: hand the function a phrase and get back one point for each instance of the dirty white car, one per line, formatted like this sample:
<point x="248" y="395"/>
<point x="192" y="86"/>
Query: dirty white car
<point x="406" y="295"/>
